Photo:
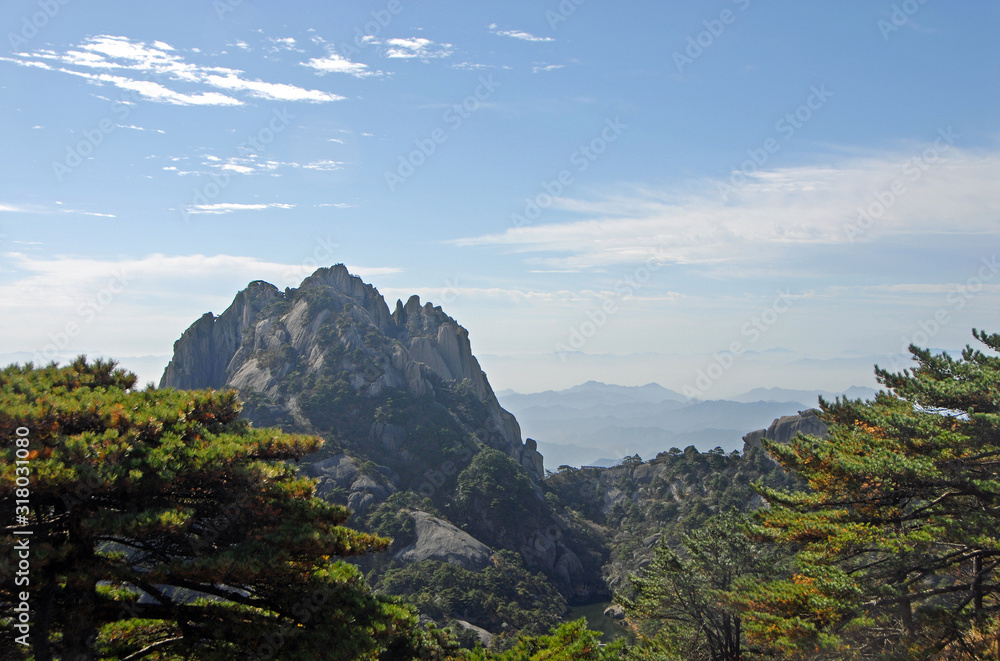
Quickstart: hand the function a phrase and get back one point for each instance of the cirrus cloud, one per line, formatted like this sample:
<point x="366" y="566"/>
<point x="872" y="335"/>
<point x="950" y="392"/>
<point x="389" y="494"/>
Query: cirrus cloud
<point x="158" y="73"/>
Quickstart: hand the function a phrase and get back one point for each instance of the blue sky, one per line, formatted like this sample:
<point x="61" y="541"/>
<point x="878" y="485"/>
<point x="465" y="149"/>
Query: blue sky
<point x="711" y="195"/>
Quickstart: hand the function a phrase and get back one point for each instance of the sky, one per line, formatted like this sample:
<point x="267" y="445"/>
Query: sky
<point x="714" y="196"/>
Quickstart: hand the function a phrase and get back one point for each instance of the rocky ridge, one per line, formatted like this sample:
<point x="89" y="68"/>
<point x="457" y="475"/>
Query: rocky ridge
<point x="785" y="428"/>
<point x="267" y="334"/>
<point x="405" y="409"/>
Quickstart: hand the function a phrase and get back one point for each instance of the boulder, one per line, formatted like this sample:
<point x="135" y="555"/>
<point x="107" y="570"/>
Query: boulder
<point x="439" y="540"/>
<point x="615" y="612"/>
<point x="785" y="428"/>
<point x="485" y="637"/>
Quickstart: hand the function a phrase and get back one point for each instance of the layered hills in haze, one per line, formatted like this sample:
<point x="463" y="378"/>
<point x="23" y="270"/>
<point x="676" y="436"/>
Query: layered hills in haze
<point x="598" y="424"/>
<point x="419" y="447"/>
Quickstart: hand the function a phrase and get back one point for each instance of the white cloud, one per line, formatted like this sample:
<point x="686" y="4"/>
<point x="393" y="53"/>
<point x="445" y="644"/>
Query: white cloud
<point x="40" y="209"/>
<point x="775" y="209"/>
<point x="272" y="91"/>
<point x="335" y="63"/>
<point x="253" y="164"/>
<point x="239" y="169"/>
<point x="283" y="44"/>
<point x="560" y="297"/>
<point x="139" y="128"/>
<point x="546" y="67"/>
<point x="325" y="166"/>
<point x="61" y="281"/>
<point x="155" y="71"/>
<point x="416" y="47"/>
<point x="517" y="34"/>
<point x="229" y="207"/>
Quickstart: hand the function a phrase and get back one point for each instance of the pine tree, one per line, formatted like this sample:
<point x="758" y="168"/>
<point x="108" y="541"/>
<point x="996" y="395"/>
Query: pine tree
<point x="681" y="608"/>
<point x="162" y="524"/>
<point x="900" y="535"/>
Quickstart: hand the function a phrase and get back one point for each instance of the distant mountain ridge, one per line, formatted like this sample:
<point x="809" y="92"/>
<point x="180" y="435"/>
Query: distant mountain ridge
<point x="804" y="397"/>
<point x="593" y="421"/>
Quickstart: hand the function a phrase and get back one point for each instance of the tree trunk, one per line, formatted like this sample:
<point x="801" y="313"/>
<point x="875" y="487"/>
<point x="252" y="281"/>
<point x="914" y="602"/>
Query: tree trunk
<point x="906" y="614"/>
<point x="80" y="594"/>
<point x="739" y="634"/>
<point x="977" y="589"/>
<point x="40" y="644"/>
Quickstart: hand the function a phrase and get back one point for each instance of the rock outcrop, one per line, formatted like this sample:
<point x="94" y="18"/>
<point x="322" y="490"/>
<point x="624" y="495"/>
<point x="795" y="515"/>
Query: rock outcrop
<point x="404" y="407"/>
<point x="335" y="323"/>
<point x="485" y="637"/>
<point x="437" y="539"/>
<point x="785" y="428"/>
<point x="340" y="472"/>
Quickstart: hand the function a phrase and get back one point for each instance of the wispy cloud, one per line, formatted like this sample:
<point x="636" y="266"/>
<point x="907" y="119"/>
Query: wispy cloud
<point x="139" y="128"/>
<point x="774" y="210"/>
<point x="43" y="209"/>
<point x="230" y="207"/>
<point x="516" y="34"/>
<point x="326" y="166"/>
<point x="538" y="68"/>
<point x="157" y="72"/>
<point x="278" y="44"/>
<point x="247" y="163"/>
<point x="416" y="48"/>
<point x="336" y="63"/>
<point x="559" y="297"/>
<point x="62" y="280"/>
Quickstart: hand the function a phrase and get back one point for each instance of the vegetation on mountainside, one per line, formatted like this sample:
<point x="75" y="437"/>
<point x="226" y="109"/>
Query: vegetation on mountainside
<point x="899" y="533"/>
<point x="679" y="606"/>
<point x="165" y="527"/>
<point x="161" y="522"/>
<point x="503" y="597"/>
<point x="891" y="552"/>
<point x="568" y="642"/>
<point x="634" y="507"/>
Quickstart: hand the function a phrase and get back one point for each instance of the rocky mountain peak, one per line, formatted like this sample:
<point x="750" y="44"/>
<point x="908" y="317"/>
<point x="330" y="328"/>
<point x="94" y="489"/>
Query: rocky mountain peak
<point x="286" y="351"/>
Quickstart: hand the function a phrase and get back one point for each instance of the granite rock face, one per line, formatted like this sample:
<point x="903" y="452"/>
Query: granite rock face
<point x="785" y="428"/>
<point x="404" y="407"/>
<point x="439" y="540"/>
<point x="336" y="323"/>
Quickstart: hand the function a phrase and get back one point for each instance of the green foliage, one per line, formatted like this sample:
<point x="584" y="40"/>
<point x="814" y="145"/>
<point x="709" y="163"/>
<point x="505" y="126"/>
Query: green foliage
<point x="681" y="605"/>
<point x="392" y="519"/>
<point x="332" y="403"/>
<point x="503" y="596"/>
<point x="571" y="641"/>
<point x="673" y="494"/>
<point x="496" y="489"/>
<point x="899" y="533"/>
<point x="170" y="494"/>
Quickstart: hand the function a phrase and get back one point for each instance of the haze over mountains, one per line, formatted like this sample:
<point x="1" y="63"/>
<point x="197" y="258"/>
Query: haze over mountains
<point x="598" y="424"/>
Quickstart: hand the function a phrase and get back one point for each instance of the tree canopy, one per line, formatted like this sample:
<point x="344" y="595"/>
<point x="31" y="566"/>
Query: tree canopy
<point x="681" y="607"/>
<point x="899" y="534"/>
<point x="162" y="524"/>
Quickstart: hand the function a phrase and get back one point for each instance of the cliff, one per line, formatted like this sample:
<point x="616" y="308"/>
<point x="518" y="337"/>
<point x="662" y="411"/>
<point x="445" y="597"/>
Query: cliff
<point x="275" y="347"/>
<point x="785" y="428"/>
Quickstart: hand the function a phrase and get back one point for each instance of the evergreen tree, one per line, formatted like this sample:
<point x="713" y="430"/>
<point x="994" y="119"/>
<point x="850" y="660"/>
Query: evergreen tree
<point x="163" y="525"/>
<point x="568" y="642"/>
<point x="900" y="534"/>
<point x="680" y="608"/>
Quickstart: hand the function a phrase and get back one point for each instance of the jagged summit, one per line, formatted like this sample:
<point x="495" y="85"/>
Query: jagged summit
<point x="286" y="351"/>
